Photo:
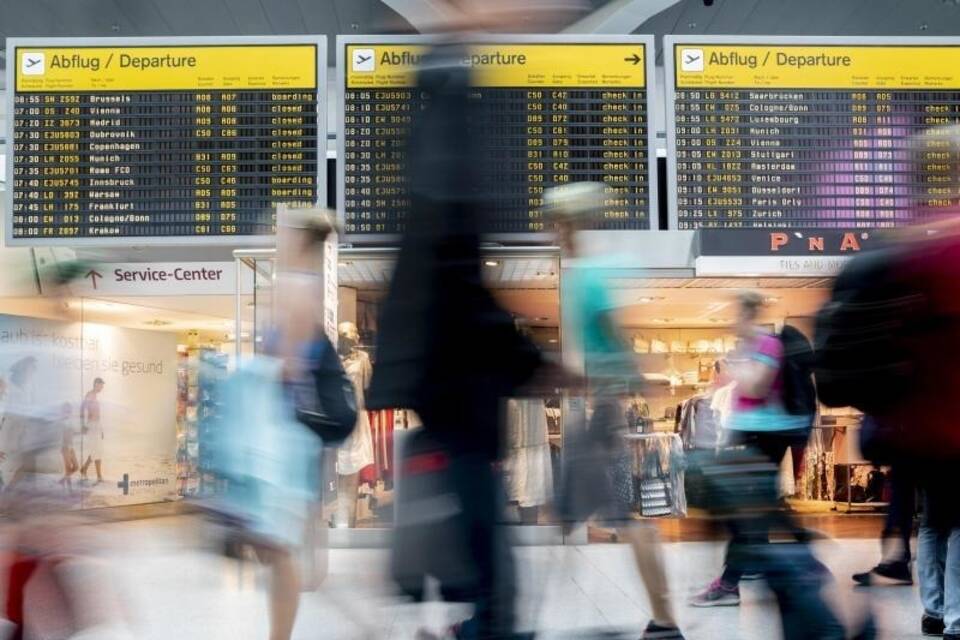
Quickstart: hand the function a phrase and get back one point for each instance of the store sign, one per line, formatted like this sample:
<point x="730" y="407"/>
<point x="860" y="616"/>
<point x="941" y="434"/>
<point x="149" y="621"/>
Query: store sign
<point x="162" y="279"/>
<point x="769" y="266"/>
<point x="779" y="252"/>
<point x="785" y="242"/>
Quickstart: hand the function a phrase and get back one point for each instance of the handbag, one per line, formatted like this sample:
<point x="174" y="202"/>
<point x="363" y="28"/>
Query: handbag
<point x="325" y="400"/>
<point x="431" y="535"/>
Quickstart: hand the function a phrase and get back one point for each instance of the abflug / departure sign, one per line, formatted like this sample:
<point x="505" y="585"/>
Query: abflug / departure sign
<point x="547" y="113"/>
<point x="194" y="142"/>
<point x="807" y="134"/>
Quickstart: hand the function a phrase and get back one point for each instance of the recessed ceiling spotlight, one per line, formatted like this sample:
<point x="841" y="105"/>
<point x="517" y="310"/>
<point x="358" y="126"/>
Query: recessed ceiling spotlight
<point x="491" y="263"/>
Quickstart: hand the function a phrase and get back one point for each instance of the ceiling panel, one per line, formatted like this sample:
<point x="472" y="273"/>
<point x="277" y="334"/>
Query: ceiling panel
<point x="766" y="17"/>
<point x="284" y="16"/>
<point x="320" y="17"/>
<point x="197" y="18"/>
<point x="879" y="16"/>
<point x="85" y="17"/>
<point x="809" y="17"/>
<point x="728" y="15"/>
<point x="144" y="17"/>
<point x="249" y="16"/>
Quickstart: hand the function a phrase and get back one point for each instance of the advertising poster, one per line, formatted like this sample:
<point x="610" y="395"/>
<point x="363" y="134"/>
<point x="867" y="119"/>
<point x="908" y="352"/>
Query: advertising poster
<point x="89" y="393"/>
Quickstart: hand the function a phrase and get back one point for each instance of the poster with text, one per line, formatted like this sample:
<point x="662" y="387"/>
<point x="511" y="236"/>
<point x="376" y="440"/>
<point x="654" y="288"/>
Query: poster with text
<point x="100" y="395"/>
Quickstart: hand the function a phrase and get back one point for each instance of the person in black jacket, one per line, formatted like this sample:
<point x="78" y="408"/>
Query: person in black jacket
<point x="445" y="348"/>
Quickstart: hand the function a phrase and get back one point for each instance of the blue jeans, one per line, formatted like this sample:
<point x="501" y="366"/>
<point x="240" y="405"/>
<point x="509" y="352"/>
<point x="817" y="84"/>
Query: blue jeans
<point x="938" y="567"/>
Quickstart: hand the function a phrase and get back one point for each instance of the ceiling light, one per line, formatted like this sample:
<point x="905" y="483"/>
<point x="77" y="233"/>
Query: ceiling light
<point x="771" y="300"/>
<point x="491" y="263"/>
<point x="553" y="341"/>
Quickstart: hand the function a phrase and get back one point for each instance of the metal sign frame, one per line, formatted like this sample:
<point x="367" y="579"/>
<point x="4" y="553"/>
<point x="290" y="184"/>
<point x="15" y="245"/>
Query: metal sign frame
<point x="319" y="41"/>
<point x="670" y="74"/>
<point x="513" y="238"/>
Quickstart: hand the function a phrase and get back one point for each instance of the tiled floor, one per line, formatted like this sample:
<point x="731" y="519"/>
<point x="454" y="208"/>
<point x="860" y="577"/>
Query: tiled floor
<point x="174" y="590"/>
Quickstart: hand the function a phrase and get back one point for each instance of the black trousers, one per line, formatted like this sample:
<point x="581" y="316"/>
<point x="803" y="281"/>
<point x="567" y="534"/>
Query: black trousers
<point x="903" y="505"/>
<point x="479" y="488"/>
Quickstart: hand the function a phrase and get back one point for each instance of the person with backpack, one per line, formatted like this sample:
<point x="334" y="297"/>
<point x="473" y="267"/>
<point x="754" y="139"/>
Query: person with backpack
<point x="773" y="411"/>
<point x="278" y="409"/>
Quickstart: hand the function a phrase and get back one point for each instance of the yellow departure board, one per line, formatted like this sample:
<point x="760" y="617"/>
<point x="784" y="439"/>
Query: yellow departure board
<point x="548" y="112"/>
<point x="192" y="141"/>
<point x="818" y="133"/>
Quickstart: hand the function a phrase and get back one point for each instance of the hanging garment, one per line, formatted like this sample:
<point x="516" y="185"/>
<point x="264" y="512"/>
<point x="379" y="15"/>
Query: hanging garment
<point x="700" y="423"/>
<point x="356" y="452"/>
<point x="529" y="472"/>
<point x="383" y="423"/>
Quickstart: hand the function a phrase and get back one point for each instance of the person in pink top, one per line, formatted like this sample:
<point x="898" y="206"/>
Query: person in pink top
<point x="758" y="421"/>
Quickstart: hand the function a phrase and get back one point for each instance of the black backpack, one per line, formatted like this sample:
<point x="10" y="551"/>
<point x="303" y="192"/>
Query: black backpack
<point x="863" y="353"/>
<point x="799" y="392"/>
<point x="324" y="399"/>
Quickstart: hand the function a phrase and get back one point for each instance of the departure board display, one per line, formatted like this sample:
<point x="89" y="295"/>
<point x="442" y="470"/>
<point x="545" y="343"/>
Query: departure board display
<point x="810" y="133"/>
<point x="181" y="141"/>
<point x="549" y="112"/>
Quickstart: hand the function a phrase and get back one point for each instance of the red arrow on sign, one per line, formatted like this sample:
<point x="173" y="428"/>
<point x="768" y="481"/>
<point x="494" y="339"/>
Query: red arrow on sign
<point x="93" y="275"/>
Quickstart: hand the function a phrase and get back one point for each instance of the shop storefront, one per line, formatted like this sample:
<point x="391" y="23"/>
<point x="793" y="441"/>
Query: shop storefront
<point x="677" y="316"/>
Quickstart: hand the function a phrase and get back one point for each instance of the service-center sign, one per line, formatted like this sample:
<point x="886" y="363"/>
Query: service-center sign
<point x="163" y="278"/>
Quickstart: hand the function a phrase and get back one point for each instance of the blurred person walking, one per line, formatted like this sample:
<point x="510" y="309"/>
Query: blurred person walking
<point x="598" y="481"/>
<point x="773" y="410"/>
<point x="277" y="408"/>
<point x="759" y="421"/>
<point x="887" y="343"/>
<point x="448" y="351"/>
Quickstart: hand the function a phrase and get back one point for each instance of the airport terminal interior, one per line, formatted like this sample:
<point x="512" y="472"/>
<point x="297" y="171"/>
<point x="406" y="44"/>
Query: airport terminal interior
<point x="209" y="206"/>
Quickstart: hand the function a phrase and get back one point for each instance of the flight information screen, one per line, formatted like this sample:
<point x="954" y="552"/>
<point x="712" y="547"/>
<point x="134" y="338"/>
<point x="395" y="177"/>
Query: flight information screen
<point x="794" y="135"/>
<point x="192" y="142"/>
<point x="547" y="114"/>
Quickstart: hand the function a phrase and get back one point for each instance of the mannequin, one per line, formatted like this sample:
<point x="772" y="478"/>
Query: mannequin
<point x="356" y="452"/>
